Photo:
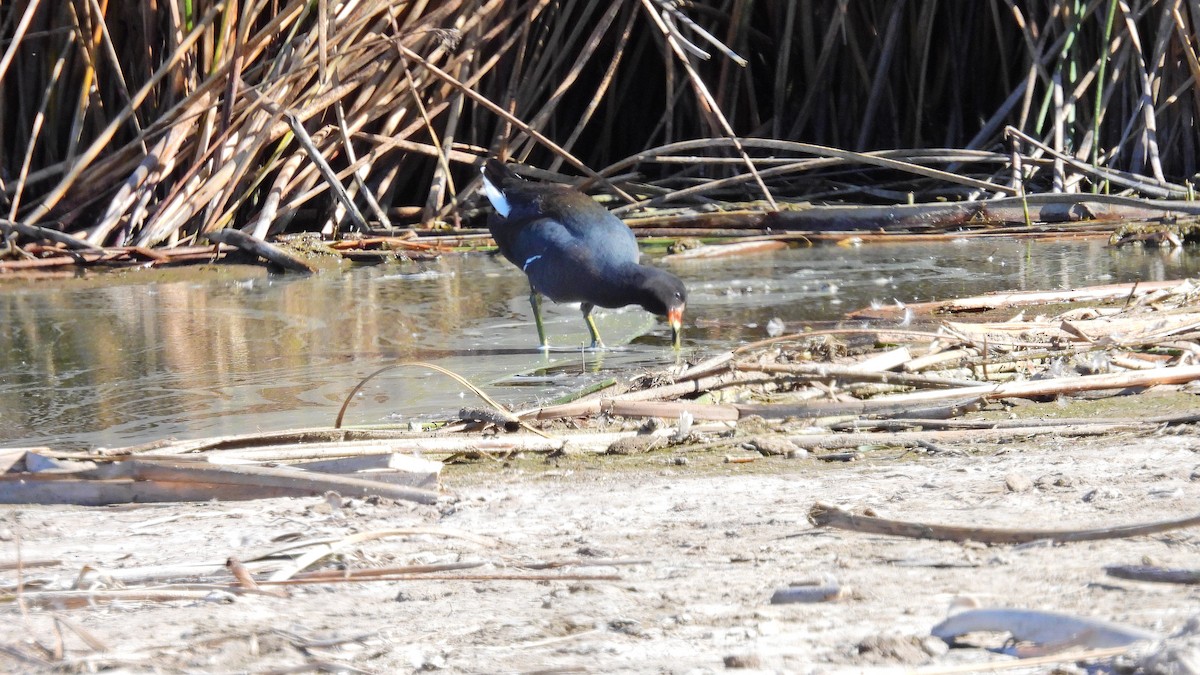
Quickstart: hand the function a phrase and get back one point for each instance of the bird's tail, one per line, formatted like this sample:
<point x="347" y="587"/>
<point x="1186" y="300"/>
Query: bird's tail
<point x="499" y="174"/>
<point x="496" y="177"/>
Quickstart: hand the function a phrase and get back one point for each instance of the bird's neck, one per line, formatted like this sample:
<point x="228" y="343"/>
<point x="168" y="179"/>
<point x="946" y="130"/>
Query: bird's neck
<point x="635" y="284"/>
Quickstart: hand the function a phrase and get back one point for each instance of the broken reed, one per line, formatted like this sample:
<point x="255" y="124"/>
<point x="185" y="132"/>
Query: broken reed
<point x="139" y="123"/>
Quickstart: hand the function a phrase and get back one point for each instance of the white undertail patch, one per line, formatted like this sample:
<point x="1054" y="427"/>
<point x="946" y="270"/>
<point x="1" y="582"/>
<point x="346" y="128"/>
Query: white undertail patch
<point x="496" y="196"/>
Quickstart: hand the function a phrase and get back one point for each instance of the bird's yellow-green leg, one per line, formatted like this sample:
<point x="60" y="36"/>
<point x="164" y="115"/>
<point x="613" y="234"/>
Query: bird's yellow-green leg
<point x="597" y="343"/>
<point x="535" y="301"/>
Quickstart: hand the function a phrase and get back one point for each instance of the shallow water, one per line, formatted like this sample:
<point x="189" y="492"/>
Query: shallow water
<point x="137" y="356"/>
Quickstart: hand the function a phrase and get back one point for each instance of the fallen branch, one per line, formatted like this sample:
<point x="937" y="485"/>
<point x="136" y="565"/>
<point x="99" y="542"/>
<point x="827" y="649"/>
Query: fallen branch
<point x="1059" y="385"/>
<point x="258" y="247"/>
<point x="825" y="515"/>
<point x="853" y="373"/>
<point x="47" y="234"/>
<point x="450" y="577"/>
<point x="180" y="480"/>
<point x="76" y="599"/>
<point x="1161" y="575"/>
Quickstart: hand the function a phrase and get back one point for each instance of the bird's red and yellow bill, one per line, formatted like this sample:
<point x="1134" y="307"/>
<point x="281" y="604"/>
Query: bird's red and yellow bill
<point x="675" y="318"/>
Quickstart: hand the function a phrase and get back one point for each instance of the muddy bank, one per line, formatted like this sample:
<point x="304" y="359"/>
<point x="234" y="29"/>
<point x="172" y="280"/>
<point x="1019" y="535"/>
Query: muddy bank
<point x="664" y="562"/>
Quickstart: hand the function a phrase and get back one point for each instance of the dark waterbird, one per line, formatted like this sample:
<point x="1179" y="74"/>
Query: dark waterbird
<point x="574" y="250"/>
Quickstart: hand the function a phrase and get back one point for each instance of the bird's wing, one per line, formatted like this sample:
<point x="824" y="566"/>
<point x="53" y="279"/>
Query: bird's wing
<point x="558" y="264"/>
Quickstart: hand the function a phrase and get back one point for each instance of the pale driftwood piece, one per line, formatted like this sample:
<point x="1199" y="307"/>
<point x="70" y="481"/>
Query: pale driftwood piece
<point x="726" y="250"/>
<point x="825" y="515"/>
<point x="920" y="363"/>
<point x="76" y="599"/>
<point x="730" y="413"/>
<point x="705" y="367"/>
<point x="946" y="410"/>
<point x="451" y="577"/>
<point x="32" y="563"/>
<point x="1059" y="385"/>
<point x="949" y="406"/>
<point x="697" y="386"/>
<point x="1161" y="575"/>
<point x="989" y="301"/>
<point x="38" y="489"/>
<point x="670" y="410"/>
<point x="1090" y="293"/>
<point x="882" y="361"/>
<point x="908" y="423"/>
<point x="151" y="573"/>
<point x="253" y="477"/>
<point x="47" y="234"/>
<point x="38" y="462"/>
<point x="167" y="480"/>
<point x="314" y="443"/>
<point x="396" y="468"/>
<point x="824" y="590"/>
<point x="853" y="373"/>
<point x="508" y="443"/>
<point x="581" y="562"/>
<point x="590" y="405"/>
<point x="434" y="444"/>
<point x="879" y="407"/>
<point x="261" y="248"/>
<point x="370" y="573"/>
<point x="1122" y="330"/>
<point x="1051" y="629"/>
<point x="63" y="260"/>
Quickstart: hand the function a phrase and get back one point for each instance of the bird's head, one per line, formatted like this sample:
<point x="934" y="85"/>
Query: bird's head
<point x="665" y="295"/>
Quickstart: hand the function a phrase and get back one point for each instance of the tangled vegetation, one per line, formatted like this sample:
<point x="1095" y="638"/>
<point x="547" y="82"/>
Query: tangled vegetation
<point x="148" y="124"/>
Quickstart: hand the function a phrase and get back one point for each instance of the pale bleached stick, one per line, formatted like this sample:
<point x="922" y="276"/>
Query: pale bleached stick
<point x="825" y="515"/>
<point x="1060" y="385"/>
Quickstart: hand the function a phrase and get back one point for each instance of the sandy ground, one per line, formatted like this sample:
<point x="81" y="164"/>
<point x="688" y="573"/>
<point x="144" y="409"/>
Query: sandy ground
<point x="702" y="545"/>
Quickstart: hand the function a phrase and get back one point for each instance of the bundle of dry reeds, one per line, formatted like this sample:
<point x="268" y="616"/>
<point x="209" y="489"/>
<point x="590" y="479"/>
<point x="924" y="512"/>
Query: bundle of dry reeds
<point x="135" y="123"/>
